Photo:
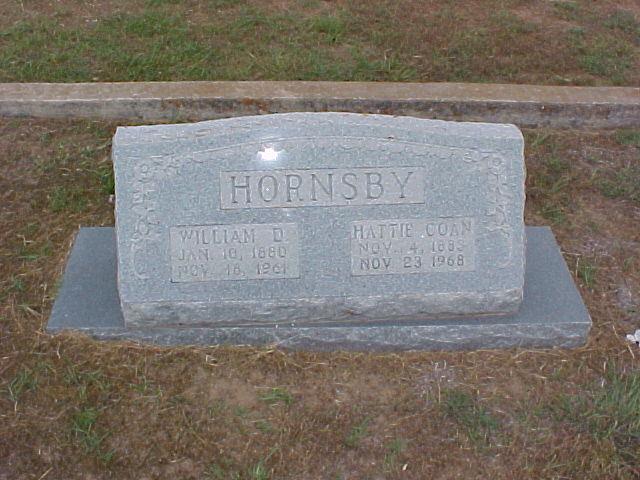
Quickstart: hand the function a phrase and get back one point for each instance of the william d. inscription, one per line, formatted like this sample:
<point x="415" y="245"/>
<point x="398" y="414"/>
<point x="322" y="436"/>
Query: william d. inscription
<point x="203" y="253"/>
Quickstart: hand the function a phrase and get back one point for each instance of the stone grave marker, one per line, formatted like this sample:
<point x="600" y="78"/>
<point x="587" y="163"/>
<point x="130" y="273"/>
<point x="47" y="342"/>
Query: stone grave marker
<point x="309" y="217"/>
<point x="321" y="231"/>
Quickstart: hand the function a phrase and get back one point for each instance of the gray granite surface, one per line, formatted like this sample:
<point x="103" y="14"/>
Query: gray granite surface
<point x="552" y="314"/>
<point x="313" y="218"/>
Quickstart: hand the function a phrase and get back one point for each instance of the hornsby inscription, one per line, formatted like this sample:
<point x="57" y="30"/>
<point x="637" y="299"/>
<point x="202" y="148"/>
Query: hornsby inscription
<point x="412" y="246"/>
<point x="234" y="252"/>
<point x="322" y="187"/>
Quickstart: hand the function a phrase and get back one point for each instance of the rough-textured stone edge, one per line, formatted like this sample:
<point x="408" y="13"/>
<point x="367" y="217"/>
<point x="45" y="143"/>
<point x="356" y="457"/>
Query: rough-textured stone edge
<point x="523" y="105"/>
<point x="552" y="315"/>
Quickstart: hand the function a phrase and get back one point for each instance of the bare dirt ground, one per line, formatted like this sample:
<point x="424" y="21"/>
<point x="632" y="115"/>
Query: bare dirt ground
<point x="71" y="407"/>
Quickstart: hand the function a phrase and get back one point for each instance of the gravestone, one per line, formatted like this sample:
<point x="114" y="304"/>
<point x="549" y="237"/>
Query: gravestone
<point x="318" y="217"/>
<point x="321" y="231"/>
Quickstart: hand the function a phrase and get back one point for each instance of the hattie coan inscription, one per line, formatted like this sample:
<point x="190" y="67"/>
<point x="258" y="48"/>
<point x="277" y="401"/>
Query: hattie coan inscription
<point x="322" y="187"/>
<point x="412" y="246"/>
<point x="202" y="253"/>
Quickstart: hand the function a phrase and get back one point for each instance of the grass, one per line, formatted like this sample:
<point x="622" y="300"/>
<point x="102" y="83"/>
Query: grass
<point x="31" y="251"/>
<point x="587" y="271"/>
<point x="146" y="388"/>
<point x="623" y="184"/>
<point x="163" y="46"/>
<point x="331" y="27"/>
<point x="554" y="180"/>
<point x="124" y="410"/>
<point x="225" y="470"/>
<point x="264" y="426"/>
<point x="67" y="199"/>
<point x="379" y="41"/>
<point x="357" y="433"/>
<point x="465" y="410"/>
<point x="616" y="408"/>
<point x="17" y="284"/>
<point x="567" y="9"/>
<point x="83" y="424"/>
<point x="76" y="377"/>
<point x="218" y="472"/>
<point x="107" y="180"/>
<point x="512" y="24"/>
<point x="553" y="213"/>
<point x="623" y="20"/>
<point x="394" y="450"/>
<point x="277" y="395"/>
<point x="21" y="383"/>
<point x="628" y="137"/>
<point x="603" y="57"/>
<point x="259" y="472"/>
<point x="609" y="411"/>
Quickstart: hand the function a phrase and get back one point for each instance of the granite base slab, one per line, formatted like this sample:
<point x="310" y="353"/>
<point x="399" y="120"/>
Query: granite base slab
<point x="552" y="313"/>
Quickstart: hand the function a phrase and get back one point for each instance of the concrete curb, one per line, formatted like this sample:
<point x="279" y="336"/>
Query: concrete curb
<point x="524" y="105"/>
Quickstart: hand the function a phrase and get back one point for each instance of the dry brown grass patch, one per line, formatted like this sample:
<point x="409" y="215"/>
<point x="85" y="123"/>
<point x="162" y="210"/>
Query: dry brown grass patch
<point x="71" y="407"/>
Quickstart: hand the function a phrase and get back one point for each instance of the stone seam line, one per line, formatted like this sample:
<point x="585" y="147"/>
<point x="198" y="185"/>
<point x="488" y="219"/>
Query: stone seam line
<point x="158" y="102"/>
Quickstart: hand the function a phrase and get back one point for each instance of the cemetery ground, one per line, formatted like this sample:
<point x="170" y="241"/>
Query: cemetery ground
<point x="71" y="407"/>
<point x="560" y="42"/>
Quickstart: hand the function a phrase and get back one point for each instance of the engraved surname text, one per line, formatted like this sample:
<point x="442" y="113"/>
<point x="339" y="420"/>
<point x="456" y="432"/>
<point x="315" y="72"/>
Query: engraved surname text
<point x="322" y="187"/>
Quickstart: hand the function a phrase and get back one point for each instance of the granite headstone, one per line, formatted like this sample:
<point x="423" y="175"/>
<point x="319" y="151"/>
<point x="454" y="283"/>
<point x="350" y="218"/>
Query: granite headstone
<point x="309" y="218"/>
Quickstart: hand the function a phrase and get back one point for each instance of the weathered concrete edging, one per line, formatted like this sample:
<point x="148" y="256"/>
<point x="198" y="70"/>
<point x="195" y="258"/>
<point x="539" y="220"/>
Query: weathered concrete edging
<point x="524" y="105"/>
